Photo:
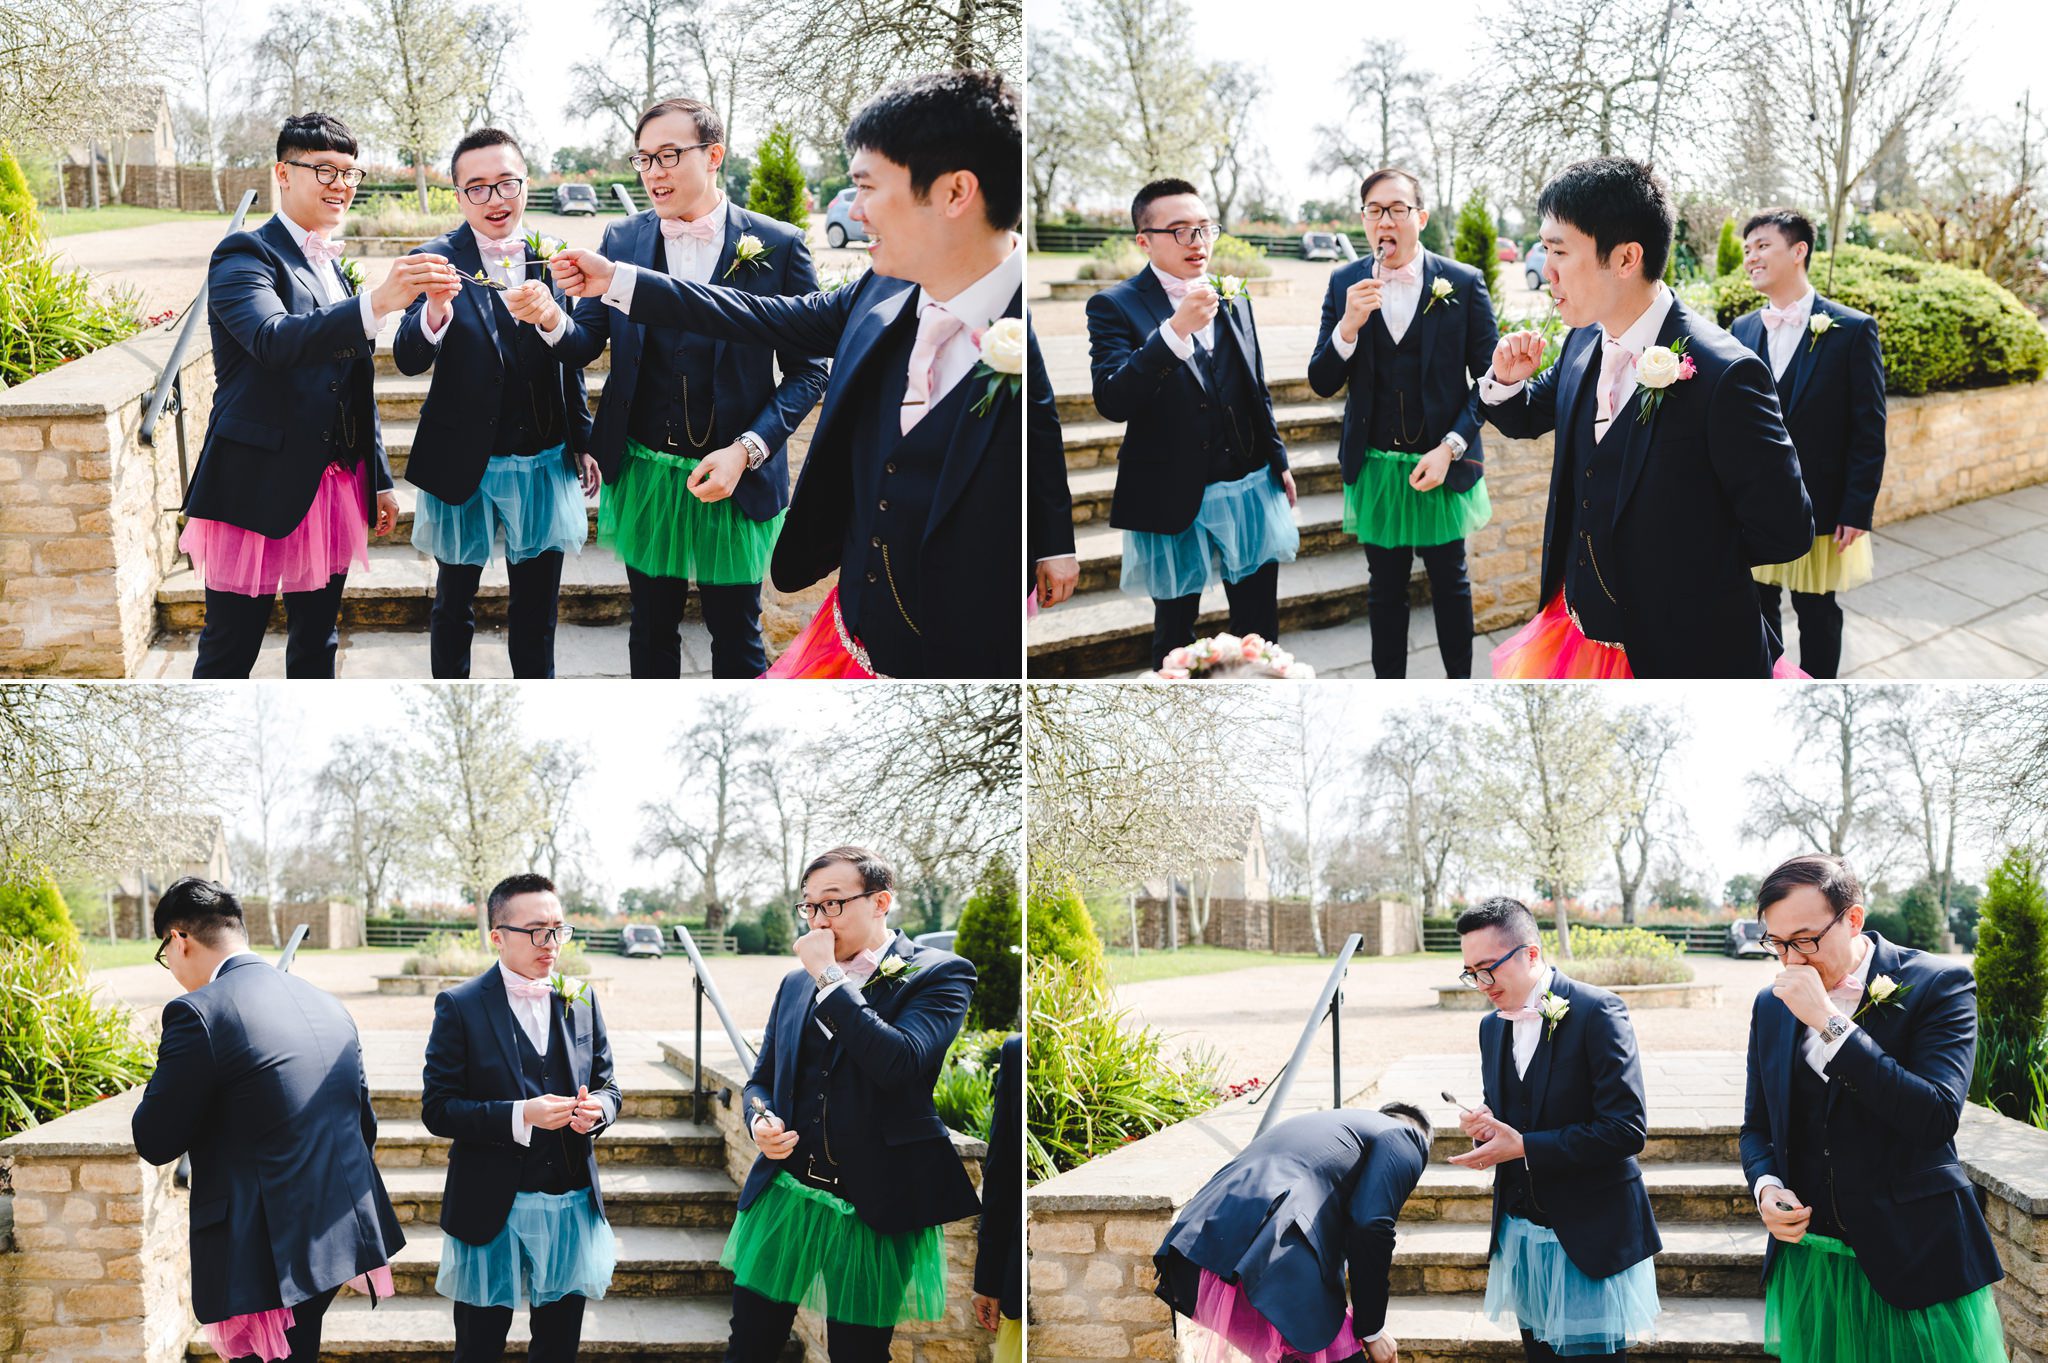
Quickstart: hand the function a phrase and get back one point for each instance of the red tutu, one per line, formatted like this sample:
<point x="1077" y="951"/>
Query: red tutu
<point x="1552" y="647"/>
<point x="1227" y="1313"/>
<point x="262" y="1333"/>
<point x="825" y="651"/>
<point x="334" y="533"/>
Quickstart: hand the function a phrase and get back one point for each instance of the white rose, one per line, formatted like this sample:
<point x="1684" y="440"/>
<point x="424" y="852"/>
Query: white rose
<point x="1002" y="346"/>
<point x="1233" y="286"/>
<point x="1884" y="986"/>
<point x="1442" y="287"/>
<point x="1658" y="368"/>
<point x="1821" y="322"/>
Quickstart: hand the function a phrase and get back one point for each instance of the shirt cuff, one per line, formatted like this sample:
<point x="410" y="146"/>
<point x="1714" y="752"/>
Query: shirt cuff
<point x="620" y="294"/>
<point x="1766" y="1181"/>
<point x="1492" y="392"/>
<point x="561" y="329"/>
<point x="757" y="450"/>
<point x="1183" y="346"/>
<point x="1367" y="1339"/>
<point x="825" y="993"/>
<point x="432" y="332"/>
<point x="369" y="315"/>
<point x="522" y="1134"/>
<point x="610" y="1106"/>
<point x="1345" y="350"/>
<point x="1834" y="1048"/>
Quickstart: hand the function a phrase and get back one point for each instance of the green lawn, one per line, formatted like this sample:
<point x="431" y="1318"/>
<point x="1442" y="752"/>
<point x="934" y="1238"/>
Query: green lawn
<point x="105" y="219"/>
<point x="102" y="955"/>
<point x="1167" y="965"/>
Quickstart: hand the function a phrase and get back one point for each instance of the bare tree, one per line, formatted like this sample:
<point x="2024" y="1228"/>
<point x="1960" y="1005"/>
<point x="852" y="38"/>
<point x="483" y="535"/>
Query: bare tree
<point x="1839" y="740"/>
<point x="69" y="69"/>
<point x="1056" y="145"/>
<point x="646" y="61"/>
<point x="364" y="799"/>
<point x="211" y="50"/>
<point x="943" y="763"/>
<point x="1645" y="740"/>
<point x="2006" y="767"/>
<point x="713" y="757"/>
<point x="1930" y="741"/>
<point x="298" y="61"/>
<point x="1147" y="95"/>
<point x="477" y="787"/>
<point x="269" y="761"/>
<point x="558" y="769"/>
<point x="1413" y="773"/>
<point x="1378" y="86"/>
<point x="1235" y="91"/>
<point x="420" y="53"/>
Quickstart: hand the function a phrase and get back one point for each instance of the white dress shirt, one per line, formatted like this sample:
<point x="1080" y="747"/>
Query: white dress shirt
<point x="327" y="282"/>
<point x="1398" y="306"/>
<point x="1783" y="342"/>
<point x="1640" y="336"/>
<point x="494" y="254"/>
<point x="1818" y="1054"/>
<point x="532" y="1017"/>
<point x="977" y="307"/>
<point x="1184" y="346"/>
<point x="1528" y="1032"/>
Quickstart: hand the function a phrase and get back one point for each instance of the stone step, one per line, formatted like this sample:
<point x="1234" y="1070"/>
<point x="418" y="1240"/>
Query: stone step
<point x="1090" y="444"/>
<point x="399" y="1101"/>
<point x="1693" y="1144"/>
<point x="1315" y="470"/>
<point x="1699" y="1259"/>
<point x="1680" y="1191"/>
<point x="654" y="1261"/>
<point x="409" y="500"/>
<point x="1080" y="407"/>
<point x="399" y="397"/>
<point x="1319" y="516"/>
<point x="405" y="1143"/>
<point x="1452" y="1329"/>
<point x="633" y="1196"/>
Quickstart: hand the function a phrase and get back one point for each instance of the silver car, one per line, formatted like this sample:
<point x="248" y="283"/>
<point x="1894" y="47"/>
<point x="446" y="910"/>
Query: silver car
<point x="840" y="226"/>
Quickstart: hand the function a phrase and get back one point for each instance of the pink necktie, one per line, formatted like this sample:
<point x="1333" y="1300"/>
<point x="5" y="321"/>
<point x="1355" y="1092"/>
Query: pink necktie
<point x="1775" y="318"/>
<point x="1617" y="369"/>
<point x="698" y="229"/>
<point x="319" y="250"/>
<point x="1411" y="273"/>
<point x="935" y="327"/>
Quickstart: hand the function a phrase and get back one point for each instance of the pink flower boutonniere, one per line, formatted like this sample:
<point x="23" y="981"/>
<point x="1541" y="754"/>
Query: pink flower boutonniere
<point x="1660" y="367"/>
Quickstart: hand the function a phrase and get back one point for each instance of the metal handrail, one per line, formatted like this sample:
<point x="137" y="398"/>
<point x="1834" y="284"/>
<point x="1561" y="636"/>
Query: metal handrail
<point x="625" y="198"/>
<point x="1330" y="1004"/>
<point x="291" y="948"/>
<point x="703" y="985"/>
<point x="167" y="381"/>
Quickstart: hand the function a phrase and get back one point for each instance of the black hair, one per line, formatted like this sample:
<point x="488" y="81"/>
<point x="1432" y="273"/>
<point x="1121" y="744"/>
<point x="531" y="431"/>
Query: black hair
<point x="1413" y="1115"/>
<point x="477" y="141"/>
<point x="1158" y="189"/>
<point x="947" y="121"/>
<point x="314" y="132"/>
<point x="1824" y="871"/>
<point x="511" y="887"/>
<point x="710" y="127"/>
<point x="1794" y="225"/>
<point x="1615" y="200"/>
<point x="203" y="909"/>
<point x="1390" y="173"/>
<point x="1511" y="916"/>
<point x="875" y="874"/>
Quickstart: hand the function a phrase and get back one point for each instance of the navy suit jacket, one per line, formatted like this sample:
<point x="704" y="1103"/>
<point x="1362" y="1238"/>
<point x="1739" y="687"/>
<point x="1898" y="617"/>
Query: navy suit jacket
<point x="1457" y="339"/>
<point x="259" y="1078"/>
<point x="280" y="361"/>
<point x="1710" y="487"/>
<point x="1895" y="1096"/>
<point x="1834" y="410"/>
<point x="1050" y="529"/>
<point x="972" y="537"/>
<point x="1312" y="1198"/>
<point x="999" y="1244"/>
<point x="458" y="424"/>
<point x="472" y="1082"/>
<point x="1591" y="1122"/>
<point x="895" y="1158"/>
<point x="746" y="395"/>
<point x="1160" y="472"/>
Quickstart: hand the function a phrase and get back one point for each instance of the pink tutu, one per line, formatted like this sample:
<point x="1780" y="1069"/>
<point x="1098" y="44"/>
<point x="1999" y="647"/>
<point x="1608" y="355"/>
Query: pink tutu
<point x="1227" y="1313"/>
<point x="825" y="651"/>
<point x="1552" y="647"/>
<point x="262" y="1332"/>
<point x="334" y="534"/>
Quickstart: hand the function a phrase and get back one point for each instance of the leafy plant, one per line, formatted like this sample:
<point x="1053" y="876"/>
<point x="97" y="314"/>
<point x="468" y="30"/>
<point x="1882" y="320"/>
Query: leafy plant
<point x="1062" y="928"/>
<point x="777" y="189"/>
<point x="48" y="313"/>
<point x="965" y="1093"/>
<point x="1116" y="257"/>
<point x="1234" y="255"/>
<point x="2012" y="986"/>
<point x="1473" y="242"/>
<point x="1609" y="957"/>
<point x="778" y="930"/>
<point x="992" y="937"/>
<point x="60" y="1047"/>
<point x="15" y="199"/>
<point x="467" y="953"/>
<point x="1728" y="251"/>
<point x="35" y="912"/>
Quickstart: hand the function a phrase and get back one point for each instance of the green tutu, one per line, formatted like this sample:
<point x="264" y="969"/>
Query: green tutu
<point x="801" y="1244"/>
<point x="1819" y="1308"/>
<point x="1822" y="568"/>
<point x="650" y="518"/>
<point x="1382" y="510"/>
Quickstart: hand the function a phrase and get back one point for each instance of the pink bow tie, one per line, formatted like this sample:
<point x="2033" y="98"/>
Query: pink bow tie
<point x="1411" y="273"/>
<point x="512" y="248"/>
<point x="1517" y="1014"/>
<point x="1176" y="288"/>
<point x="675" y="228"/>
<point x="519" y="987"/>
<point x="319" y="250"/>
<point x="1775" y="318"/>
<point x="1847" y="992"/>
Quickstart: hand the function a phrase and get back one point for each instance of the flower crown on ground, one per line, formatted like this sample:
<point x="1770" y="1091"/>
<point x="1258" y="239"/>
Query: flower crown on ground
<point x="1224" y="656"/>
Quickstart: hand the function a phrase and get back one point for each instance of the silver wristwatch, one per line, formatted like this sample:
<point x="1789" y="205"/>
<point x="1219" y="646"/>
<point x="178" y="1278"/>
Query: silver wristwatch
<point x="1837" y="1028"/>
<point x="757" y="452"/>
<point x="1456" y="444"/>
<point x="829" y="976"/>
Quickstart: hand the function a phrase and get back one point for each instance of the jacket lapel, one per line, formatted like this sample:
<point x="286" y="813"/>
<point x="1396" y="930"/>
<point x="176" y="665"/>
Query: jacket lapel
<point x="463" y="250"/>
<point x="1427" y="316"/>
<point x="972" y="434"/>
<point x="735" y="226"/>
<point x="1877" y="1022"/>
<point x="1546" y="1046"/>
<point x="280" y="238"/>
<point x="1640" y="432"/>
<point x="1571" y="384"/>
<point x="1804" y="356"/>
<point x="498" y="1009"/>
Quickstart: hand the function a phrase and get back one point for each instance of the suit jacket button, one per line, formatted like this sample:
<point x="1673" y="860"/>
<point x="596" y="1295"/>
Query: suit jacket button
<point x="875" y="541"/>
<point x="1587" y="504"/>
<point x="871" y="577"/>
<point x="889" y="467"/>
<point x="1582" y="560"/>
<point x="884" y="505"/>
<point x="333" y="387"/>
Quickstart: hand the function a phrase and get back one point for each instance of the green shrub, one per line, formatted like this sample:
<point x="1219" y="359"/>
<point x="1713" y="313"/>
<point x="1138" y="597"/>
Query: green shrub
<point x="1889" y="924"/>
<point x="36" y="913"/>
<point x="1941" y="327"/>
<point x="1728" y="251"/>
<point x="1475" y="243"/>
<point x="468" y="953"/>
<point x="2012" y="986"/>
<point x="48" y="313"/>
<point x="965" y="1093"/>
<point x="1608" y="957"/>
<point x="1922" y="916"/>
<point x="60" y="1047"/>
<point x="992" y="937"/>
<point x="1433" y="238"/>
<point x="1116" y="257"/>
<point x="747" y="935"/>
<point x="778" y="930"/>
<point x="15" y="199"/>
<point x="777" y="188"/>
<point x="1061" y="926"/>
<point x="1234" y="255"/>
<point x="399" y="215"/>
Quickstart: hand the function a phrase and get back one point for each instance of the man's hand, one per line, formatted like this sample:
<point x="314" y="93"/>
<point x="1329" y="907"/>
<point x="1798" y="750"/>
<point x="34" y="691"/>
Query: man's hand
<point x="588" y="474"/>
<point x="1429" y="470"/>
<point x="1057" y="578"/>
<point x="1287" y="486"/>
<point x="817" y="949"/>
<point x="1517" y="357"/>
<point x="582" y="274"/>
<point x="772" y="1138"/>
<point x="1197" y="309"/>
<point x="1800" y="989"/>
<point x="1846" y="535"/>
<point x="1385" y="1349"/>
<point x="387" y="512"/>
<point x="1361" y="301"/>
<point x="1505" y="1144"/>
<point x="1789" y="1226"/>
<point x="718" y="473"/>
<point x="587" y="1113"/>
<point x="409" y="278"/>
<point x="531" y="302"/>
<point x="547" y="1113"/>
<point x="988" y="1312"/>
<point x="1477" y="1123"/>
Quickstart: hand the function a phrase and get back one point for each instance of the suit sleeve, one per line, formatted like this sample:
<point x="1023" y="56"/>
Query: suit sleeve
<point x="368" y="1109"/>
<point x="181" y="1091"/>
<point x="1482" y="334"/>
<point x="1389" y="1175"/>
<point x="810" y="325"/>
<point x="604" y="1081"/>
<point x="1276" y="453"/>
<point x="1052" y="502"/>
<point x="803" y="374"/>
<point x="443" y="1105"/>
<point x="411" y="351"/>
<point x="1866" y="429"/>
<point x="1759" y="1155"/>
<point x="241" y="291"/>
<point x="590" y="321"/>
<point x="761" y="1084"/>
<point x="1918" y="1095"/>
<point x="1620" y="1122"/>
<point x="1328" y="371"/>
<point x="1127" y="369"/>
<point x="893" y="1054"/>
<point x="1757" y="467"/>
<point x="1001" y="1191"/>
<point x="1529" y="413"/>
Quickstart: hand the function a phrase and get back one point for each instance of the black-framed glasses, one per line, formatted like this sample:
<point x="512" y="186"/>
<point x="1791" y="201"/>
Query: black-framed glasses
<point x="327" y="175"/>
<point x="1481" y="977"/>
<point x="504" y="189"/>
<point x="1188" y="235"/>
<point x="542" y="937"/>
<point x="164" y="946"/>
<point x="665" y="158"/>
<point x="1381" y="212"/>
<point x="1805" y="946"/>
<point x="831" y="908"/>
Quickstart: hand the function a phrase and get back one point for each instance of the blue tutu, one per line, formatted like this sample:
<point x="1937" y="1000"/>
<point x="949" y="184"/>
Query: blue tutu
<point x="530" y="503"/>
<point x="552" y="1245"/>
<point x="1240" y="528"/>
<point x="1531" y="1283"/>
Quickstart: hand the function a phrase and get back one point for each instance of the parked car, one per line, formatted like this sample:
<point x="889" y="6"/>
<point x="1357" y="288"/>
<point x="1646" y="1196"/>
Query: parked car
<point x="1327" y="246"/>
<point x="640" y="939"/>
<point x="575" y="198"/>
<point x="1532" y="266"/>
<point x="1509" y="252"/>
<point x="1745" y="938"/>
<point x="942" y="940"/>
<point x="840" y="226"/>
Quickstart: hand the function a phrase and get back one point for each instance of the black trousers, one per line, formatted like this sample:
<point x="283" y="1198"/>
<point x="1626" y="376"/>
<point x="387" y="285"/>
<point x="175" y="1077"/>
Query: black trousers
<point x="1820" y="626"/>
<point x="557" y="1331"/>
<point x="233" y="633"/>
<point x="304" y="1336"/>
<point x="760" y="1329"/>
<point x="1386" y="606"/>
<point x="654" y="642"/>
<point x="530" y="608"/>
<point x="1535" y="1350"/>
<point x="1254" y="609"/>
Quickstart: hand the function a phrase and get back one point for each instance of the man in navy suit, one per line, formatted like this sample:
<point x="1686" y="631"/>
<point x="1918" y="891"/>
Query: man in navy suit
<point x="1294" y="1213"/>
<point x="1830" y="376"/>
<point x="999" y="1240"/>
<point x="1562" y="1124"/>
<point x="855" y="1167"/>
<point x="519" y="1076"/>
<point x="1054" y="567"/>
<point x="505" y="431"/>
<point x="1673" y="475"/>
<point x="1404" y="333"/>
<point x="292" y="473"/>
<point x="1860" y="1059"/>
<point x="692" y="429"/>
<point x="259" y="1078"/>
<point x="1203" y="493"/>
<point x="912" y="484"/>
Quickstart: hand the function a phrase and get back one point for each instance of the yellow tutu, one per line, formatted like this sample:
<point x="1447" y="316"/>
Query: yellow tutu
<point x="1822" y="568"/>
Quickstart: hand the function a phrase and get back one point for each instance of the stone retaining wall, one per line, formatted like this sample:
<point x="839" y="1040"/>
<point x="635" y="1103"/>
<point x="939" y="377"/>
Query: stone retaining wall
<point x="189" y="188"/>
<point x="1457" y="998"/>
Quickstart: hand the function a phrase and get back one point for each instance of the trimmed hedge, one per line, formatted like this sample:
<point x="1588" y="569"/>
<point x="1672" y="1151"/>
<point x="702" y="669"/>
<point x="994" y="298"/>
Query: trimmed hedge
<point x="1942" y="328"/>
<point x="36" y="913"/>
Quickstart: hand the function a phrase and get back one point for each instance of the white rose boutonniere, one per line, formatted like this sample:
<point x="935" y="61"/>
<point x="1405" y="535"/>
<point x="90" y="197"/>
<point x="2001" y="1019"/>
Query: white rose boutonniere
<point x="1440" y="292"/>
<point x="1552" y="1009"/>
<point x="748" y="251"/>
<point x="894" y="969"/>
<point x="352" y="271"/>
<point x="1229" y="287"/>
<point x="569" y="988"/>
<point x="1002" y="363"/>
<point x="1658" y="369"/>
<point x="1882" y="992"/>
<point x="1818" y="326"/>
